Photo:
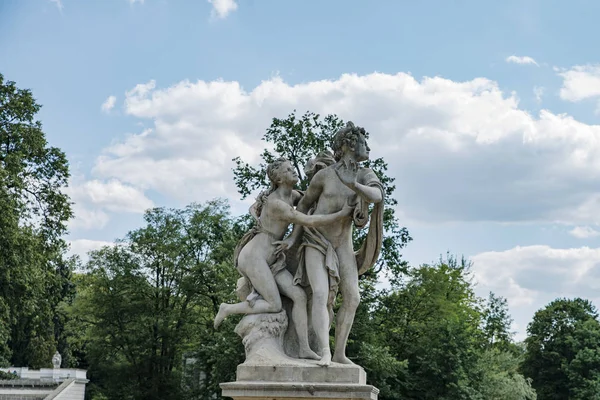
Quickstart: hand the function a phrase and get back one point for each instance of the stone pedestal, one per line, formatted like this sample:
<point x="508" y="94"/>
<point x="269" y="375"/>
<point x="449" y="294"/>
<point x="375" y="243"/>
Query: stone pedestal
<point x="269" y="373"/>
<point x="302" y="381"/>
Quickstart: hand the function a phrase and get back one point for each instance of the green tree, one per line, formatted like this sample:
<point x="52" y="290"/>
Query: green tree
<point x="500" y="378"/>
<point x="367" y="343"/>
<point x="434" y="326"/>
<point x="562" y="351"/>
<point x="432" y="322"/>
<point x="584" y="370"/>
<point x="497" y="322"/>
<point x="150" y="300"/>
<point x="34" y="210"/>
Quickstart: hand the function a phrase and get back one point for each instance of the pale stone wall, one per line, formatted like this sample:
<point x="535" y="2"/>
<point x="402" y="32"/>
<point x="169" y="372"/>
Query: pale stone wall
<point x="44" y="384"/>
<point x="21" y="395"/>
<point x="74" y="392"/>
<point x="73" y="389"/>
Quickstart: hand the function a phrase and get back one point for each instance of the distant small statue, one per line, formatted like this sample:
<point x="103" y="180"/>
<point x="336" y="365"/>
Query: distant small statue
<point x="56" y="360"/>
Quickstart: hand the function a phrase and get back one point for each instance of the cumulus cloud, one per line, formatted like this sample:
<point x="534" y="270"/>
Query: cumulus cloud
<point x="222" y="8"/>
<point x="584" y="232"/>
<point x="109" y="104"/>
<point x="580" y="83"/>
<point x="87" y="218"/>
<point x="528" y="271"/>
<point x="82" y="247"/>
<point x="115" y="196"/>
<point x="94" y="200"/>
<point x="520" y="60"/>
<point x="461" y="151"/>
<point x="532" y="276"/>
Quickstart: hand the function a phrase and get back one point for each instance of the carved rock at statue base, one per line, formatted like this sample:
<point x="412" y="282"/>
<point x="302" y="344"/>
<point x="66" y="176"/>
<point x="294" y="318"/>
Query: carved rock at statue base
<point x="262" y="336"/>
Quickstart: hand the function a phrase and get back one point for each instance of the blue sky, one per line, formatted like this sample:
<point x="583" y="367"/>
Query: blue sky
<point x="487" y="112"/>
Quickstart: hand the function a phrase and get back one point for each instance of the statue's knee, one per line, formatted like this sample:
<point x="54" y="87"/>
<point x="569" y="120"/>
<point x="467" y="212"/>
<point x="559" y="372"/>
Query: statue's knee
<point x="353" y="300"/>
<point x="299" y="297"/>
<point x="320" y="299"/>
<point x="276" y="306"/>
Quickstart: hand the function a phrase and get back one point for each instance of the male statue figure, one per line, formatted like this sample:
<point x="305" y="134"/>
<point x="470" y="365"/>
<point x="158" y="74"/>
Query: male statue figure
<point x="327" y="260"/>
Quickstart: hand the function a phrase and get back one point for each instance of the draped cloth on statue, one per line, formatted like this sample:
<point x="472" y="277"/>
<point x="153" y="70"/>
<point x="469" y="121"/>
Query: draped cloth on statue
<point x="366" y="256"/>
<point x="314" y="239"/>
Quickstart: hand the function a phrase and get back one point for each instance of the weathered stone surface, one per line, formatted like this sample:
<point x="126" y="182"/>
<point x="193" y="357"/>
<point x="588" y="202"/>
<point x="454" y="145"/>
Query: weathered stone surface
<point x="297" y="391"/>
<point x="262" y="336"/>
<point x="310" y="372"/>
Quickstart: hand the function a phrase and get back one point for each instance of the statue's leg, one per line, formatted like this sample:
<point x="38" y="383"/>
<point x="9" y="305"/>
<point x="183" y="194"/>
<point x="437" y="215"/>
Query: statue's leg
<point x="350" y="300"/>
<point x="285" y="282"/>
<point x="262" y="280"/>
<point x="319" y="282"/>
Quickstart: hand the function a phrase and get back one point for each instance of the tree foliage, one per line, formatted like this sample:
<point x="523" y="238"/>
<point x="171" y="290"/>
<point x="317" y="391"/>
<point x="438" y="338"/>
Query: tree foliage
<point x="500" y="378"/>
<point x="563" y="351"/>
<point x="150" y="300"/>
<point x="34" y="210"/>
<point x="497" y="323"/>
<point x="434" y="325"/>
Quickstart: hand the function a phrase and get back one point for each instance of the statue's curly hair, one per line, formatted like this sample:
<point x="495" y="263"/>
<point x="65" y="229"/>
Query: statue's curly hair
<point x="348" y="136"/>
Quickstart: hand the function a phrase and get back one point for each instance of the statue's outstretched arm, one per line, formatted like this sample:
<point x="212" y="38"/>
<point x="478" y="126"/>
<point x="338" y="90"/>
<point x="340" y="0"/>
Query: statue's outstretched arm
<point x="287" y="213"/>
<point x="310" y="197"/>
<point x="372" y="194"/>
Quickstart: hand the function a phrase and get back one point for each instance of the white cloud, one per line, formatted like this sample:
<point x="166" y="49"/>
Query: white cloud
<point x="540" y="269"/>
<point x="584" y="232"/>
<point x="461" y="151"/>
<point x="109" y="104"/>
<point x="112" y="195"/>
<point x="58" y="4"/>
<point x="580" y="82"/>
<point x="530" y="277"/>
<point x="94" y="200"/>
<point x="115" y="196"/>
<point x="82" y="247"/>
<point x="520" y="60"/>
<point x="87" y="218"/>
<point x="222" y="8"/>
<point x="136" y="1"/>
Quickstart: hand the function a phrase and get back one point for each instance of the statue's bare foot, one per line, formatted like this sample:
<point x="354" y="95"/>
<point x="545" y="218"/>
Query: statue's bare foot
<point x="221" y="315"/>
<point x="325" y="360"/>
<point x="308" y="354"/>
<point x="342" y="360"/>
